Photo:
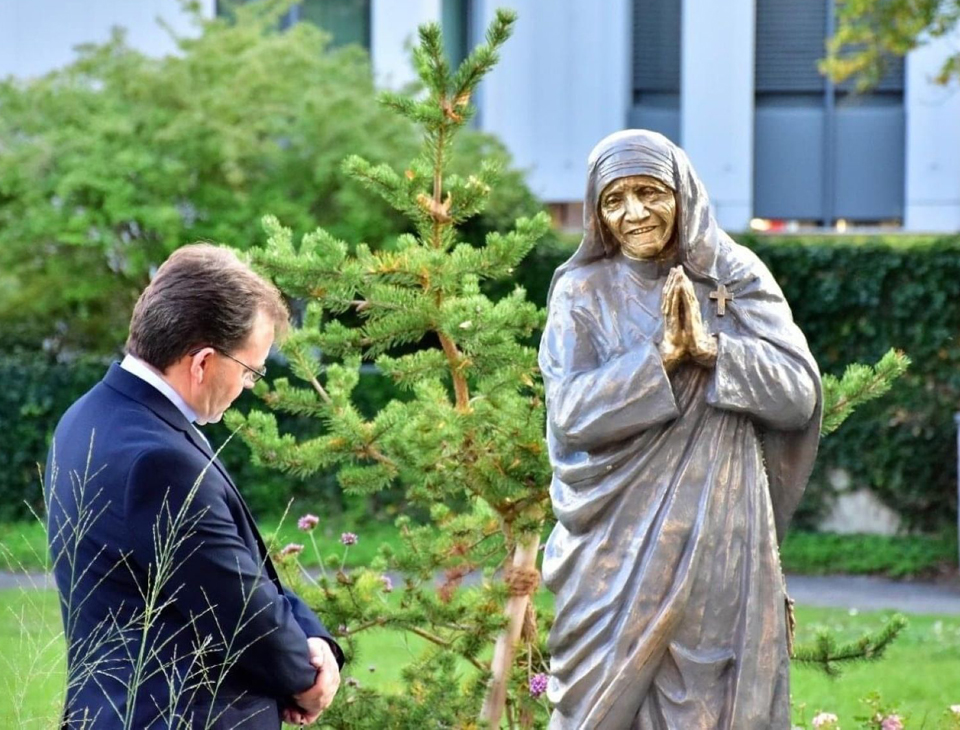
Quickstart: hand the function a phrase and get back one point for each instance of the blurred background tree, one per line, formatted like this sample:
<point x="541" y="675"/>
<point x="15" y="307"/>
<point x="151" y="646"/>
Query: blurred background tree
<point x="870" y="32"/>
<point x="111" y="163"/>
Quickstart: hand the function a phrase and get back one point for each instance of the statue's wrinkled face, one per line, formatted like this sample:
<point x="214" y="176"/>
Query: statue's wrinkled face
<point x="640" y="212"/>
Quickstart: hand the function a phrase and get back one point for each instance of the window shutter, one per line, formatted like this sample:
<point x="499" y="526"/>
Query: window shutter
<point x="790" y="41"/>
<point x="348" y="21"/>
<point x="656" y="46"/>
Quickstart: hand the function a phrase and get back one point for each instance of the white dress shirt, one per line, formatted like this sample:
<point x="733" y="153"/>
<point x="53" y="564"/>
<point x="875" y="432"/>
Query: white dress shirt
<point x="136" y="366"/>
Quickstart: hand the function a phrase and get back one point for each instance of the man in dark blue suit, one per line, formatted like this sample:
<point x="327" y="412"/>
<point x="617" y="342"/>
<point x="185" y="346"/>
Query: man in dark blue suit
<point x="173" y="612"/>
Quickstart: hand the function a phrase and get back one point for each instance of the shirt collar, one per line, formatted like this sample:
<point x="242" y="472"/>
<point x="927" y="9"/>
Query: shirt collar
<point x="136" y="366"/>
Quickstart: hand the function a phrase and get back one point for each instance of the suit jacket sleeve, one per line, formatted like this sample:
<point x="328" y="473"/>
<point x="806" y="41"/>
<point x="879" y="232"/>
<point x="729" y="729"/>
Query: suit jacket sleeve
<point x="181" y="528"/>
<point x="311" y="624"/>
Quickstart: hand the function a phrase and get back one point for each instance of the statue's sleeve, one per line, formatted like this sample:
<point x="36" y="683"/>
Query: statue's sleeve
<point x="589" y="402"/>
<point x="758" y="377"/>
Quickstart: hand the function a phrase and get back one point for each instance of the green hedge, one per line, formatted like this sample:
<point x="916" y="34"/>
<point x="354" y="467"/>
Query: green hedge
<point x="855" y="297"/>
<point x="893" y="556"/>
<point x="34" y="392"/>
<point x="37" y="390"/>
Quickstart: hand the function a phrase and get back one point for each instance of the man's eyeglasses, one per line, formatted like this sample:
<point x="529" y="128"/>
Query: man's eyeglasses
<point x="254" y="374"/>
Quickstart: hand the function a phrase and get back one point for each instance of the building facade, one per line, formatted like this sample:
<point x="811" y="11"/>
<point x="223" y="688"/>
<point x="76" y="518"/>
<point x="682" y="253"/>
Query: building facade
<point x="735" y="83"/>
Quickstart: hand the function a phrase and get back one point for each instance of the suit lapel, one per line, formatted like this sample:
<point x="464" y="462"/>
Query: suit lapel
<point x="141" y="391"/>
<point x="197" y="439"/>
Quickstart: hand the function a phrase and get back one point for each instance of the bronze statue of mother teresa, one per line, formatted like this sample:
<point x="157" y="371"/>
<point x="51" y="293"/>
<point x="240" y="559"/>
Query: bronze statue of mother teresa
<point x="683" y="420"/>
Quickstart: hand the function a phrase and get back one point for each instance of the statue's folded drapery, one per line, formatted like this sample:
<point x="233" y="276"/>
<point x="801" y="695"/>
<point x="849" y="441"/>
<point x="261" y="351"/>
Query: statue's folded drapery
<point x="670" y="491"/>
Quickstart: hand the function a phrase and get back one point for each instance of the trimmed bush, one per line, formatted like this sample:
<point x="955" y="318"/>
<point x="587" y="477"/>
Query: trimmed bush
<point x="854" y="297"/>
<point x="37" y="390"/>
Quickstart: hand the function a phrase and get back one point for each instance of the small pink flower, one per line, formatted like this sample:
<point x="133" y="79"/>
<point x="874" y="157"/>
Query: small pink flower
<point x="825" y="721"/>
<point x="538" y="685"/>
<point x="349" y="538"/>
<point x="891" y="722"/>
<point x="387" y="584"/>
<point x="291" y="549"/>
<point x="307" y="523"/>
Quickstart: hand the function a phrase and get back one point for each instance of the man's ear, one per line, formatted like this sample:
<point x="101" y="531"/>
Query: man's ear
<point x="199" y="362"/>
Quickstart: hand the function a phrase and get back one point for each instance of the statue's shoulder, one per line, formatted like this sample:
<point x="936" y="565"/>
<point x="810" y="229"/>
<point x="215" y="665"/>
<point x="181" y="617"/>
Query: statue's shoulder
<point x="581" y="283"/>
<point x="740" y="268"/>
<point x="737" y="262"/>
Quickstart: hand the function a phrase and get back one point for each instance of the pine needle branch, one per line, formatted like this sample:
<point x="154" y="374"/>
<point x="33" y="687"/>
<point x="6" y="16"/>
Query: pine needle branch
<point x="860" y="384"/>
<point x="827" y="655"/>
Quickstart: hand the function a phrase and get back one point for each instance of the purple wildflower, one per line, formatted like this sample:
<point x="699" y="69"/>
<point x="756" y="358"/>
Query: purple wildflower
<point x="349" y="538"/>
<point x="891" y="722"/>
<point x="538" y="685"/>
<point x="307" y="523"/>
<point x="387" y="584"/>
<point x="291" y="549"/>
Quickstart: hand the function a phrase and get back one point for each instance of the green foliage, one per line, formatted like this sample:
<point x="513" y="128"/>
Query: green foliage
<point x="926" y="659"/>
<point x="855" y="298"/>
<point x="463" y="441"/>
<point x="109" y="164"/>
<point x="829" y="654"/>
<point x="870" y="32"/>
<point x="36" y="391"/>
<point x="900" y="556"/>
<point x="859" y="384"/>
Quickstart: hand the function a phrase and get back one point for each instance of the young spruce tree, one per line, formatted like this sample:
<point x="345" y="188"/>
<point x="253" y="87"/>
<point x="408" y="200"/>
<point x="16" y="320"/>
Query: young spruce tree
<point x="465" y="442"/>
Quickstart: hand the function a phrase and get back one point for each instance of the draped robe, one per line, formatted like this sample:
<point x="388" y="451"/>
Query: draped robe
<point x="670" y="492"/>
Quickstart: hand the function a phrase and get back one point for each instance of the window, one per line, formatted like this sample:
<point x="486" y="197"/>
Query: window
<point x="821" y="152"/>
<point x="455" y="21"/>
<point x="656" y="67"/>
<point x="348" y="21"/>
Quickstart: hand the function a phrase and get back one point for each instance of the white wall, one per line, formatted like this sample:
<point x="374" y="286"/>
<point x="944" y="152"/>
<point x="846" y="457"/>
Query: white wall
<point x="932" y="141"/>
<point x="562" y="85"/>
<point x="37" y="36"/>
<point x="393" y="31"/>
<point x="717" y="101"/>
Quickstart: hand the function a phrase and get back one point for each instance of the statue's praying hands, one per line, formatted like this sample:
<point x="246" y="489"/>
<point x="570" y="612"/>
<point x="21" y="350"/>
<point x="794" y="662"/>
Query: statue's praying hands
<point x="684" y="334"/>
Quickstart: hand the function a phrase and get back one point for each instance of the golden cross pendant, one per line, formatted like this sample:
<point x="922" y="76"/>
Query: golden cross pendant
<point x="722" y="296"/>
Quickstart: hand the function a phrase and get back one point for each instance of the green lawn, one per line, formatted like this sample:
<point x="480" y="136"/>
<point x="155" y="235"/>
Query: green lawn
<point x="23" y="545"/>
<point x="918" y="677"/>
<point x="31" y="659"/>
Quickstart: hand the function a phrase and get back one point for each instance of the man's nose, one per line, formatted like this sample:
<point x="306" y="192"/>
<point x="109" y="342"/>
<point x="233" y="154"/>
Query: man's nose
<point x="636" y="210"/>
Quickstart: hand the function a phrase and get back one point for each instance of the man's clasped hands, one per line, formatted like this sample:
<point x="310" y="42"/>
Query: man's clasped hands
<point x="311" y="702"/>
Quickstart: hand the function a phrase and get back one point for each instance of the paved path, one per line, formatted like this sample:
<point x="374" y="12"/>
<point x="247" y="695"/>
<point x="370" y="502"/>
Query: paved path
<point x="25" y="580"/>
<point x="861" y="592"/>
<point x="866" y="593"/>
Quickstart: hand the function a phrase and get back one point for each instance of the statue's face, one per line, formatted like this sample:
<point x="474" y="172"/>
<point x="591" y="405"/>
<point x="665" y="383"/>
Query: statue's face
<point x="640" y="212"/>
